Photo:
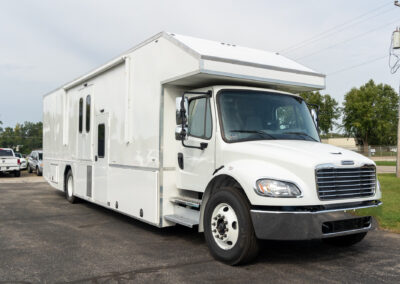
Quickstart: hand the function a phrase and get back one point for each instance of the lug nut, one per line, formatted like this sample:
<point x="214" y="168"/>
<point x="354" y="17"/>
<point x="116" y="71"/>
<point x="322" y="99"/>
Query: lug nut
<point x="214" y="231"/>
<point x="213" y="224"/>
<point x="219" y="215"/>
<point x="225" y="236"/>
<point x="225" y="222"/>
<point x="223" y="217"/>
<point x="215" y="218"/>
<point x="226" y="229"/>
<point x="217" y="236"/>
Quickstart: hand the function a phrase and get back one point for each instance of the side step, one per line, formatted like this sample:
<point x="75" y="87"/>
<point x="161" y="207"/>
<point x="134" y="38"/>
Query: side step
<point x="186" y="201"/>
<point x="185" y="221"/>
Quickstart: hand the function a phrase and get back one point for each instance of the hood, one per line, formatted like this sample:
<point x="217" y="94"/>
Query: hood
<point x="301" y="152"/>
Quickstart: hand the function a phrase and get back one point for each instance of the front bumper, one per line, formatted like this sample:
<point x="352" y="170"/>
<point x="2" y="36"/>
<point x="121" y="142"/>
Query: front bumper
<point x="306" y="225"/>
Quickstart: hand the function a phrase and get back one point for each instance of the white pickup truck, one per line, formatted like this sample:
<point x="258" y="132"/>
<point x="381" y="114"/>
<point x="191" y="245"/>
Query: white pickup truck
<point x="9" y="163"/>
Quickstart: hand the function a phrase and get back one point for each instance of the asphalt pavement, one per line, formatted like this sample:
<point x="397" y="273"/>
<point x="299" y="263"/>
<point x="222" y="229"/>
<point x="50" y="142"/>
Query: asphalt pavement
<point x="43" y="238"/>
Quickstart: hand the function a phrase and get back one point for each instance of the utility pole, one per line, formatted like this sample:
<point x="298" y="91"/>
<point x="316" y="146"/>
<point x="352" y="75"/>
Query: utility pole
<point x="396" y="45"/>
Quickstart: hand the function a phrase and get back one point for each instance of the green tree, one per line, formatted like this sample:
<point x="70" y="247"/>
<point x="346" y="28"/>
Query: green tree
<point x="370" y="114"/>
<point x="1" y="128"/>
<point x="26" y="136"/>
<point x="329" y="111"/>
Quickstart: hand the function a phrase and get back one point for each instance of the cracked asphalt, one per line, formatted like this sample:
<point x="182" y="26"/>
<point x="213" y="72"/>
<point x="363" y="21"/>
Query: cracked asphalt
<point x="43" y="238"/>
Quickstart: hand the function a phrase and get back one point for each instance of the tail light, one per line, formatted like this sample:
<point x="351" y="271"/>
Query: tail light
<point x="19" y="162"/>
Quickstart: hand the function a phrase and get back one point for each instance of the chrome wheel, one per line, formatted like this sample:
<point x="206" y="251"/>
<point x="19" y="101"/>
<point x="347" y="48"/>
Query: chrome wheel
<point x="225" y="226"/>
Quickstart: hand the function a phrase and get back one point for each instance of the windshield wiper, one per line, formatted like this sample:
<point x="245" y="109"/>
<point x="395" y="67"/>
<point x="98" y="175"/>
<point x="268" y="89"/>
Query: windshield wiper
<point x="302" y="133"/>
<point x="260" y="132"/>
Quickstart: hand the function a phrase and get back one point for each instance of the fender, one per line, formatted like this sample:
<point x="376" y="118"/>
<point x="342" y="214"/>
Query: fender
<point x="247" y="171"/>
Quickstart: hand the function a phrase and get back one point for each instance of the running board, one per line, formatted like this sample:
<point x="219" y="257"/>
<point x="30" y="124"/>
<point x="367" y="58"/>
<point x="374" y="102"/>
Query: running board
<point x="185" y="221"/>
<point x="185" y="201"/>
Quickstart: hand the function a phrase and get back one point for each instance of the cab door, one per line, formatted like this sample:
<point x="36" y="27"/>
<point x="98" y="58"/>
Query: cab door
<point x="196" y="166"/>
<point x="100" y="168"/>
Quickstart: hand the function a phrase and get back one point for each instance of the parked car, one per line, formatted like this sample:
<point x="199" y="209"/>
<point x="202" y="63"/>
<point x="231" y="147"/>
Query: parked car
<point x="35" y="162"/>
<point x="9" y="163"/>
<point x="24" y="163"/>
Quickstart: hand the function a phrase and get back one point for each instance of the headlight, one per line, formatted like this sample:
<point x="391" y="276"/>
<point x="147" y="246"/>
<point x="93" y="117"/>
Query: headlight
<point x="276" y="188"/>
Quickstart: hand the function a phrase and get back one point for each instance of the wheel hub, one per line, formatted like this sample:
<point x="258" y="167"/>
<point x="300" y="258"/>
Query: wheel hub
<point x="224" y="226"/>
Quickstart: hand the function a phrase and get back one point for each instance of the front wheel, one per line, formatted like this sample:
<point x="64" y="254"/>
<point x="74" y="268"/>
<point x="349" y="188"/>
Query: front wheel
<point x="344" y="241"/>
<point x="30" y="169"/>
<point x="38" y="172"/>
<point x="228" y="228"/>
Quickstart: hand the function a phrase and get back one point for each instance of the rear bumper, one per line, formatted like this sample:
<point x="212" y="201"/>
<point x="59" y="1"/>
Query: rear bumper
<point x="306" y="225"/>
<point x="5" y="169"/>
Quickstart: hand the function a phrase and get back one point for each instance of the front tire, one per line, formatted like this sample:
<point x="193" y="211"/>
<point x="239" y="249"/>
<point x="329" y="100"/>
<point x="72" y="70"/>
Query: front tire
<point x="69" y="188"/>
<point x="30" y="169"/>
<point x="345" y="241"/>
<point x="38" y="172"/>
<point x="228" y="228"/>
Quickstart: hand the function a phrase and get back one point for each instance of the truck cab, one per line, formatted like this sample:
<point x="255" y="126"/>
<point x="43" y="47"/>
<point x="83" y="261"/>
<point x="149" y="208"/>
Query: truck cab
<point x="256" y="160"/>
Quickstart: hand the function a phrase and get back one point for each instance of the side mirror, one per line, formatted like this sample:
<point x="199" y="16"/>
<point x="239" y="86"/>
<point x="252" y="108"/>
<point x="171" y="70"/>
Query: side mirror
<point x="181" y="114"/>
<point x="314" y="115"/>
<point x="180" y="134"/>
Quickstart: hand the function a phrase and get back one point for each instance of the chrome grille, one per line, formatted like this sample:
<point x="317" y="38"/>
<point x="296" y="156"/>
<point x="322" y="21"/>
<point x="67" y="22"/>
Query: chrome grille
<point x="341" y="183"/>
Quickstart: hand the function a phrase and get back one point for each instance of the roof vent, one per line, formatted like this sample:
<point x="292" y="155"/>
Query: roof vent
<point x="228" y="44"/>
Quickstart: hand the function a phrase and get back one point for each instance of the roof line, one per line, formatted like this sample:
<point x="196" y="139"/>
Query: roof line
<point x="106" y="66"/>
<point x="259" y="65"/>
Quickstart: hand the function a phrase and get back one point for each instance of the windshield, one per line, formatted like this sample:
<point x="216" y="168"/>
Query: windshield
<point x="255" y="115"/>
<point x="40" y="156"/>
<point x="6" y="153"/>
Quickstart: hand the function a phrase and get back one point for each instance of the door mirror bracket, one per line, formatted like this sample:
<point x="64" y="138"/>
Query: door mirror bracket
<point x="182" y="106"/>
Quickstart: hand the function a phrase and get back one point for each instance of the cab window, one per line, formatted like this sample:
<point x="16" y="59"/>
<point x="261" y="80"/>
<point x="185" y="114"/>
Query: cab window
<point x="199" y="119"/>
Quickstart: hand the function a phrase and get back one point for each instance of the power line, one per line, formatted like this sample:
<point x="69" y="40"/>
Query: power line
<point x="333" y="30"/>
<point x="358" y="65"/>
<point x="347" y="40"/>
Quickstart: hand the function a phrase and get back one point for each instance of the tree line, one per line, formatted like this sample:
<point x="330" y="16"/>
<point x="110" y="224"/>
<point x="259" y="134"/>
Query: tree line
<point x="23" y="137"/>
<point x="369" y="113"/>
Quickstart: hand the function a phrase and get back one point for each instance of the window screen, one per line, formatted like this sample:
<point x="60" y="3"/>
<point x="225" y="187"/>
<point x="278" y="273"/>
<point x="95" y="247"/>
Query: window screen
<point x="101" y="136"/>
<point x="88" y="113"/>
<point x="80" y="115"/>
<point x="199" y="121"/>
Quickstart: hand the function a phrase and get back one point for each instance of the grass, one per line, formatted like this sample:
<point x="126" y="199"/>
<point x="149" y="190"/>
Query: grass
<point x="388" y="215"/>
<point x="385" y="163"/>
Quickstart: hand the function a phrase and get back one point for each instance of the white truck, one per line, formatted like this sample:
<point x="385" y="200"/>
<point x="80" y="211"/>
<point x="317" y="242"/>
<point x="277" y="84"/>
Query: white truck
<point x="9" y="163"/>
<point x="180" y="130"/>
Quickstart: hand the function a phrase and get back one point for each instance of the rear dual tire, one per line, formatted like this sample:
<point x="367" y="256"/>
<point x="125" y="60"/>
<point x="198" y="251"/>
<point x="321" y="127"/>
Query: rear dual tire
<point x="69" y="188"/>
<point x="228" y="227"/>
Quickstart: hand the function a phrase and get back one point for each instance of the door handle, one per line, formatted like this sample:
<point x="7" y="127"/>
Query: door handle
<point x="95" y="158"/>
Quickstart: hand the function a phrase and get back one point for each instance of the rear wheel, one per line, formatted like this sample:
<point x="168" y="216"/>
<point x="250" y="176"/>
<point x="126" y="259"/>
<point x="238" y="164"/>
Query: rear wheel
<point x="69" y="188"/>
<point x="344" y="241"/>
<point x="228" y="228"/>
<point x="17" y="173"/>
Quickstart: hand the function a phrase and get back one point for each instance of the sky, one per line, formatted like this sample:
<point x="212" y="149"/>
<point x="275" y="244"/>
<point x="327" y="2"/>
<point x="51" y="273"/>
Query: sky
<point x="46" y="43"/>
